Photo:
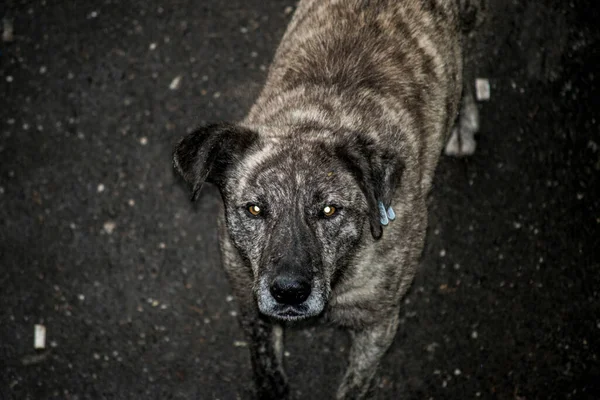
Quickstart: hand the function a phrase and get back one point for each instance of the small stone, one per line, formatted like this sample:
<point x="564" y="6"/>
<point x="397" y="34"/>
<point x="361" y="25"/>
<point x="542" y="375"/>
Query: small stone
<point x="109" y="227"/>
<point x="482" y="88"/>
<point x="161" y="245"/>
<point x="175" y="83"/>
<point x="229" y="299"/>
<point x="217" y="95"/>
<point x="143" y="140"/>
<point x="244" y="30"/>
<point x="457" y="372"/>
<point x="233" y="313"/>
<point x="240" y="343"/>
<point x="7" y="33"/>
<point x="100" y="188"/>
<point x="286" y="353"/>
<point x="81" y="297"/>
<point x="131" y="202"/>
<point x="93" y="15"/>
<point x="9" y="78"/>
<point x="442" y="253"/>
<point x="474" y="335"/>
<point x="152" y="46"/>
<point x="96" y="356"/>
<point x="39" y="337"/>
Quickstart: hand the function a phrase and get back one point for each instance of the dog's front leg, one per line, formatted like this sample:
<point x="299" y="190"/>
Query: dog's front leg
<point x="368" y="347"/>
<point x="265" y="344"/>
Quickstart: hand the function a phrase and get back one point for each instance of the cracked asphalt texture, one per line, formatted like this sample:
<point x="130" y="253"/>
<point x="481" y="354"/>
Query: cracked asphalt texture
<point x="99" y="243"/>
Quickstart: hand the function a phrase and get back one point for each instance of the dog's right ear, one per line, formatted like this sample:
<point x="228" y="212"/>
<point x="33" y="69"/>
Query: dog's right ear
<point x="205" y="154"/>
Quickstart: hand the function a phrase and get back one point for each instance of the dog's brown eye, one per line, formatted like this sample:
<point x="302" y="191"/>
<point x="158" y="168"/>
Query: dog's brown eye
<point x="254" y="210"/>
<point x="328" y="211"/>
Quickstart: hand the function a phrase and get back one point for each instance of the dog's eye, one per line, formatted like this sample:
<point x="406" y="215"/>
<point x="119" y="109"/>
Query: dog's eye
<point x="254" y="210"/>
<point x="329" y="211"/>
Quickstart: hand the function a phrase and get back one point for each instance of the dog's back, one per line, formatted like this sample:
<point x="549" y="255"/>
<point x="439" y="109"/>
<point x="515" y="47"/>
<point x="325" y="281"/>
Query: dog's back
<point x="387" y="68"/>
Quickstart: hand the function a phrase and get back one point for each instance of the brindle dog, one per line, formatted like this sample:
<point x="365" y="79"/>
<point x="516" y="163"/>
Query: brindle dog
<point x="324" y="183"/>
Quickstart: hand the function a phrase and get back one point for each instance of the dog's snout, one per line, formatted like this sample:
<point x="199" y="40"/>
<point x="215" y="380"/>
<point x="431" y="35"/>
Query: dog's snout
<point x="290" y="290"/>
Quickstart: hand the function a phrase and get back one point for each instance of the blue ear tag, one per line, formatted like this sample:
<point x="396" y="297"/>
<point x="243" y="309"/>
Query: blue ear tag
<point x="391" y="214"/>
<point x="383" y="214"/>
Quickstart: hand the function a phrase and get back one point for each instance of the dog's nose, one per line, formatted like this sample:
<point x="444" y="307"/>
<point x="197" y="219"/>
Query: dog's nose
<point x="290" y="290"/>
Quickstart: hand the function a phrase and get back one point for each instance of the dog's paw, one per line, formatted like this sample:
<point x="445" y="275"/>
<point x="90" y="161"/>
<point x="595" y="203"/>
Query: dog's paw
<point x="460" y="144"/>
<point x="462" y="141"/>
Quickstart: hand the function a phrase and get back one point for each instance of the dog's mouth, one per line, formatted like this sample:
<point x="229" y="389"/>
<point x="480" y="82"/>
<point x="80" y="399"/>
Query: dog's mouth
<point x="291" y="313"/>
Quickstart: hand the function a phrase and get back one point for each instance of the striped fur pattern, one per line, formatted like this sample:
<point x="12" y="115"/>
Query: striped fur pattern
<point x="358" y="104"/>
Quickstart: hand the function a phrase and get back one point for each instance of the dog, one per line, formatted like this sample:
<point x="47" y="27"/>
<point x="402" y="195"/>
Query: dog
<point x="324" y="182"/>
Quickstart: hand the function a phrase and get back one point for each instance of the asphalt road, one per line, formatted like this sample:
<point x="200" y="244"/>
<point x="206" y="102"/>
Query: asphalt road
<point x="99" y="243"/>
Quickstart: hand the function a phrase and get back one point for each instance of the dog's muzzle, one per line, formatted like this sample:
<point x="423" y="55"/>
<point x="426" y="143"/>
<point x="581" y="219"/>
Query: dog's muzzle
<point x="290" y="297"/>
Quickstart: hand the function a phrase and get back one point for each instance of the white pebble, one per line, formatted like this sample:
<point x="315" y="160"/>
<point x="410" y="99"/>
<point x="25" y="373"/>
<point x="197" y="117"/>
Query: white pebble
<point x="9" y="78"/>
<point x="81" y="297"/>
<point x="109" y="226"/>
<point x="161" y="245"/>
<point x="442" y="253"/>
<point x="482" y="87"/>
<point x="43" y="69"/>
<point x="457" y="372"/>
<point x="131" y="202"/>
<point x="233" y="313"/>
<point x="143" y="140"/>
<point x="286" y="353"/>
<point x="175" y="83"/>
<point x="229" y="298"/>
<point x="93" y="14"/>
<point x="100" y="188"/>
<point x="474" y="335"/>
<point x="39" y="334"/>
<point x="152" y="46"/>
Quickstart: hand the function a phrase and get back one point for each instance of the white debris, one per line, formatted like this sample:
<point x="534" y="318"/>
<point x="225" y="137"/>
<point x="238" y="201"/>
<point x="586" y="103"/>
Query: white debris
<point x="474" y="335"/>
<point x="152" y="46"/>
<point x="240" y="343"/>
<point x="93" y="15"/>
<point x="286" y="353"/>
<point x="482" y="88"/>
<point x="229" y="299"/>
<point x="100" y="188"/>
<point x="442" y="253"/>
<point x="81" y="297"/>
<point x="143" y="140"/>
<point x="233" y="313"/>
<point x="9" y="78"/>
<point x="7" y="33"/>
<point x="175" y="83"/>
<point x="457" y="372"/>
<point x="43" y="69"/>
<point x="131" y="202"/>
<point x="109" y="226"/>
<point x="39" y="337"/>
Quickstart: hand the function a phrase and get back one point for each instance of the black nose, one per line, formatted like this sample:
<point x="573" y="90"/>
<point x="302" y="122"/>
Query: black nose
<point x="290" y="290"/>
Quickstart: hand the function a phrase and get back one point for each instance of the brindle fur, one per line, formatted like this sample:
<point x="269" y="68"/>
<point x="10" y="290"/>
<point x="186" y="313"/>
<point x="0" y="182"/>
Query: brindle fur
<point x="359" y="101"/>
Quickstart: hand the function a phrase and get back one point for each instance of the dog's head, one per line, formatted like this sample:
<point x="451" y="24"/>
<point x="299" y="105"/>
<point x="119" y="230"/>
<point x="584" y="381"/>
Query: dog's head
<point x="297" y="207"/>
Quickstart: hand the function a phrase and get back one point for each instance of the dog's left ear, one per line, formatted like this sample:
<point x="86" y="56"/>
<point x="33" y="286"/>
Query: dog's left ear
<point x="378" y="173"/>
<point x="205" y="154"/>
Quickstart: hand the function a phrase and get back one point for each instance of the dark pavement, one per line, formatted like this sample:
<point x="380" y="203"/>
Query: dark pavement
<point x="99" y="243"/>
